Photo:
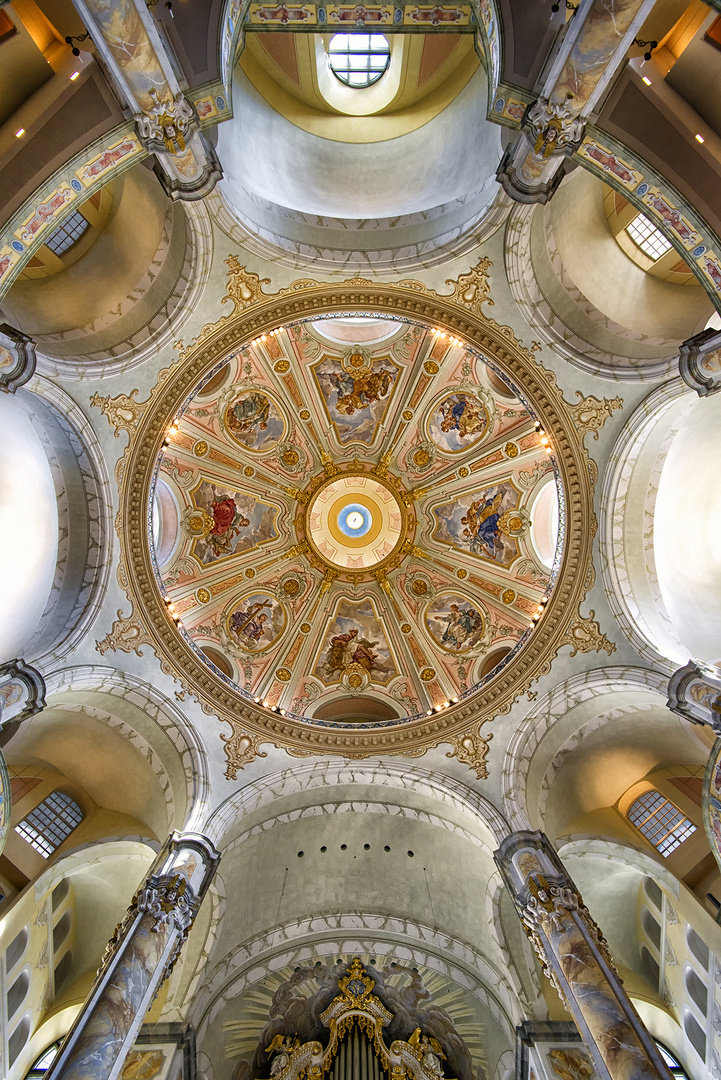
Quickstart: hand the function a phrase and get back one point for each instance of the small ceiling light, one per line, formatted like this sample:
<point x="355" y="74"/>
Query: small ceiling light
<point x="700" y="138"/>
<point x="19" y="133"/>
<point x="646" y="80"/>
<point x="74" y="76"/>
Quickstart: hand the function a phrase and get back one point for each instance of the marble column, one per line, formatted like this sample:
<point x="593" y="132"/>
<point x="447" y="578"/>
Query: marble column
<point x="595" y="44"/>
<point x="138" y="62"/>
<point x="574" y="956"/>
<point x="137" y="960"/>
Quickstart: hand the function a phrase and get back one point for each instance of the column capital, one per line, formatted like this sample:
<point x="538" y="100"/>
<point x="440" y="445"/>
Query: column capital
<point x="699" y="362"/>
<point x="694" y="692"/>
<point x="17" y="358"/>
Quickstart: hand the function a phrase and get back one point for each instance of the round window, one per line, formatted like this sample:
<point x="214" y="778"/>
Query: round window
<point x="359" y="59"/>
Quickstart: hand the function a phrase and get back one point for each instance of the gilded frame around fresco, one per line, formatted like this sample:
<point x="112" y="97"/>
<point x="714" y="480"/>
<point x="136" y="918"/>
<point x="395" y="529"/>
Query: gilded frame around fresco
<point x="256" y="312"/>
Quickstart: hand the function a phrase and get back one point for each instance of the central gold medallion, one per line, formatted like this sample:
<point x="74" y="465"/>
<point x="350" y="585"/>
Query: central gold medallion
<point x="356" y="522"/>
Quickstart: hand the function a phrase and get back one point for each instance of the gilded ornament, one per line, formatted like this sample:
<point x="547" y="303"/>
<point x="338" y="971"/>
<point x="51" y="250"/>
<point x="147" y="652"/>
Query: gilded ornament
<point x="463" y="472"/>
<point x="240" y="748"/>
<point x="127" y="634"/>
<point x="290" y="457"/>
<point x="419" y="587"/>
<point x="584" y="635"/>
<point x="304" y="414"/>
<point x="201" y="448"/>
<point x="427" y="674"/>
<point x="283" y="674"/>
<point x="591" y="413"/>
<point x="511" y="450"/>
<point x="431" y="367"/>
<point x="250" y="572"/>
<point x="282" y="366"/>
<point x="405" y="628"/>
<point x="202" y="596"/>
<point x="305" y="628"/>
<point x="471" y="748"/>
<point x="421" y="458"/>
<point x="407" y="414"/>
<point x="461" y="573"/>
<point x="248" y="471"/>
<point x="508" y="596"/>
<point x="291" y="587"/>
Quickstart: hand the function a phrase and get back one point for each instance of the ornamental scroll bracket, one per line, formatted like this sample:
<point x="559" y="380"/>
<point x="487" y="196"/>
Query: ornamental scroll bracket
<point x="418" y="1058"/>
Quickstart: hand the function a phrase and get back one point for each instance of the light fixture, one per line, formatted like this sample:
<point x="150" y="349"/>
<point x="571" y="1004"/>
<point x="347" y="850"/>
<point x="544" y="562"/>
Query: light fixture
<point x="78" y="37"/>
<point x="74" y="76"/>
<point x="699" y="138"/>
<point x="19" y="133"/>
<point x="647" y="81"/>
<point x="649" y="46"/>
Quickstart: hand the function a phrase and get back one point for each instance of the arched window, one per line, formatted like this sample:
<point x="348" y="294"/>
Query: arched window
<point x="650" y="967"/>
<point x="42" y="1064"/>
<point x="697" y="991"/>
<point x="50" y="823"/>
<point x="17" y="1040"/>
<point x="650" y="239"/>
<point x="698" y="947"/>
<point x="16" y="949"/>
<point x="68" y="234"/>
<point x="695" y="1035"/>
<point x="651" y="927"/>
<point x="660" y="821"/>
<point x="653" y="892"/>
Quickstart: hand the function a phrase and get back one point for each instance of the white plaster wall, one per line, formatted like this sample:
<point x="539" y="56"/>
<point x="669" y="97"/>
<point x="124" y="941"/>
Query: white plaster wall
<point x="268" y="156"/>
<point x="687" y="527"/>
<point x="28" y="528"/>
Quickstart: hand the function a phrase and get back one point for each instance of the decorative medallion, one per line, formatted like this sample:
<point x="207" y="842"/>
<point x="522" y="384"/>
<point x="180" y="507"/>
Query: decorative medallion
<point x="253" y="420"/>
<point x="457" y="422"/>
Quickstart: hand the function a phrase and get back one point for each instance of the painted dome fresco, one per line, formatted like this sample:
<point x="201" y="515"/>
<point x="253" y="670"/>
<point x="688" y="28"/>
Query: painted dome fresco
<point x="355" y="521"/>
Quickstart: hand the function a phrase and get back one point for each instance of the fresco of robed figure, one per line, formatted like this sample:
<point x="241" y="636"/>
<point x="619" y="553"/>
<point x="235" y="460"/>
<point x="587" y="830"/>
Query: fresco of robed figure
<point x="255" y="421"/>
<point x="257" y="622"/>
<point x="457" y="422"/>
<point x="355" y="637"/>
<point x="239" y="522"/>
<point x="472" y="523"/>
<point x="454" y="623"/>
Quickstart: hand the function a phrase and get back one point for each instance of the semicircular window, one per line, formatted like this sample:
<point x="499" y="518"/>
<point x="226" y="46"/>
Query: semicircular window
<point x="42" y="1064"/>
<point x="359" y="60"/>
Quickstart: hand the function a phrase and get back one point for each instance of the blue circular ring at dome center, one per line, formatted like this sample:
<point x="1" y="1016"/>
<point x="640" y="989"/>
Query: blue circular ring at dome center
<point x="354" y="520"/>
